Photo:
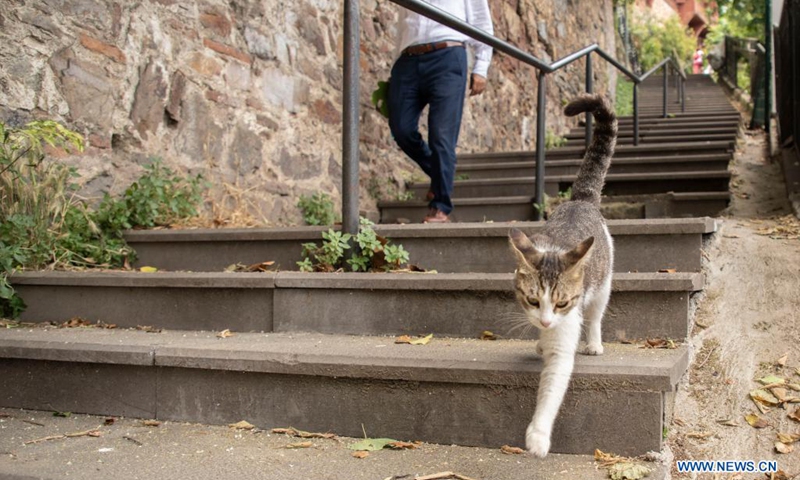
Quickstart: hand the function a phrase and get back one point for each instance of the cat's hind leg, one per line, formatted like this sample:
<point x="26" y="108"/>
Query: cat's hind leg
<point x="595" y="307"/>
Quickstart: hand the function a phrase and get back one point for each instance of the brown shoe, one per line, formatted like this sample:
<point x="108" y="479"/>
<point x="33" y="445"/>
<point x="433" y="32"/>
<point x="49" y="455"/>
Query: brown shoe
<point x="436" y="216"/>
<point x="430" y="196"/>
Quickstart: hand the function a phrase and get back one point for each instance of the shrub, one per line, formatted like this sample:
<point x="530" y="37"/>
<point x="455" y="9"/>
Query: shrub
<point x="656" y="40"/>
<point x="370" y="252"/>
<point x="317" y="209"/>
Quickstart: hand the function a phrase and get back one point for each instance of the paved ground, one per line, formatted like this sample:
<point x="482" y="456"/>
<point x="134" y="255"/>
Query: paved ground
<point x="132" y="450"/>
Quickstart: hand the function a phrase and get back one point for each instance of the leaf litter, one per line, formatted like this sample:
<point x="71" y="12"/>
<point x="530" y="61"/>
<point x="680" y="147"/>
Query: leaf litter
<point x="621" y="468"/>
<point x="242" y="425"/>
<point x="406" y="339"/>
<point x="86" y="433"/>
<point x="755" y="421"/>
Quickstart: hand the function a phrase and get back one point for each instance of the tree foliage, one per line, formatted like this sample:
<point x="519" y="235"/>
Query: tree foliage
<point x="738" y="18"/>
<point x="656" y="40"/>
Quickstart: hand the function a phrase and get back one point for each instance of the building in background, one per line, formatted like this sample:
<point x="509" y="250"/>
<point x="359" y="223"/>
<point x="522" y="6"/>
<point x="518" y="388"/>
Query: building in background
<point x="696" y="15"/>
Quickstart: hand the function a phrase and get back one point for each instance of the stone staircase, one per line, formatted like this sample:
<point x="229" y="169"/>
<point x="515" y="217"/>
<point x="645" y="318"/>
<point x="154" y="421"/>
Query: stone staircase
<point x="679" y="169"/>
<point x="316" y="351"/>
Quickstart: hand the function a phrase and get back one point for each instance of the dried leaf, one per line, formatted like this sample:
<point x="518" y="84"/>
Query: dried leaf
<point x="443" y="476"/>
<point x="414" y="341"/>
<point x="772" y="380"/>
<point x="795" y="415"/>
<point x="151" y="423"/>
<point x="109" y="421"/>
<point x="76" y="322"/>
<point x="225" y="334"/>
<point x="86" y="433"/>
<point x="628" y="471"/>
<point x="781" y="362"/>
<point x="402" y="445"/>
<point x="783" y="448"/>
<point x="755" y="421"/>
<point x="793" y="386"/>
<point x="667" y="270"/>
<point x="260" y="267"/>
<point x="302" y="434"/>
<point x="148" y="269"/>
<point x="148" y="329"/>
<point x="780" y="394"/>
<point x="608" y="459"/>
<point x="242" y="425"/>
<point x="762" y="396"/>
<point x="300" y="445"/>
<point x="660" y="343"/>
<point x="700" y="435"/>
<point x="729" y="422"/>
<point x="360" y="454"/>
<point x="509" y="450"/>
<point x="788" y="438"/>
<point x="62" y="414"/>
<point x="487" y="335"/>
<point x="371" y="444"/>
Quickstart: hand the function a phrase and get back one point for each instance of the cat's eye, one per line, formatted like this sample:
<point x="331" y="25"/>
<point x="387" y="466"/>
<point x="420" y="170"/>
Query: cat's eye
<point x="562" y="304"/>
<point x="533" y="302"/>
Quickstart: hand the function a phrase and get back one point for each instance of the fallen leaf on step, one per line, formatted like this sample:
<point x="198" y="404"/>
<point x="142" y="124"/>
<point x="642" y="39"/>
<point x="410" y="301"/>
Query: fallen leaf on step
<point x="608" y="459"/>
<point x="225" y="334"/>
<point x="755" y="421"/>
<point x="660" y="343"/>
<point x="360" y="454"/>
<point x="371" y="444"/>
<point x="402" y="445"/>
<point x="795" y="415"/>
<point x="728" y="422"/>
<point x="487" y="335"/>
<point x="771" y="380"/>
<point x="87" y="433"/>
<point x="242" y="425"/>
<point x="301" y="433"/>
<point x="788" y="438"/>
<point x="780" y="394"/>
<point x="443" y="476"/>
<point x="414" y="341"/>
<point x="109" y="421"/>
<point x="779" y="475"/>
<point x="148" y="269"/>
<point x="148" y="329"/>
<point x="668" y="270"/>
<point x="76" y="322"/>
<point x="299" y="445"/>
<point x="783" y="448"/>
<point x="793" y="386"/>
<point x="781" y="362"/>
<point x="628" y="471"/>
<point x="62" y="414"/>
<point x="151" y="423"/>
<point x="509" y="450"/>
<point x="699" y="435"/>
<point x="762" y="396"/>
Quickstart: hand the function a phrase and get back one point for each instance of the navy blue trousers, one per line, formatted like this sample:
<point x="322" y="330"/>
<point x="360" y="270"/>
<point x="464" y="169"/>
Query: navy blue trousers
<point x="438" y="79"/>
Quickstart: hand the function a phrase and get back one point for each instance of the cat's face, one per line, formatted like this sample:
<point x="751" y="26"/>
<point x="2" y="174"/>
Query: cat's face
<point x="548" y="283"/>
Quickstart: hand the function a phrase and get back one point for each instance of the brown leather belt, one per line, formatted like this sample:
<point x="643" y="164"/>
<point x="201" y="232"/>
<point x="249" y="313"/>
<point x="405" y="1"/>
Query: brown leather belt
<point x="424" y="48"/>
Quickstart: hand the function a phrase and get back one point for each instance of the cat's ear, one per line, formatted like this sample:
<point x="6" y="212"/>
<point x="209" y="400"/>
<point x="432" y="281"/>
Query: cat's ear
<point x="577" y="254"/>
<point x="523" y="248"/>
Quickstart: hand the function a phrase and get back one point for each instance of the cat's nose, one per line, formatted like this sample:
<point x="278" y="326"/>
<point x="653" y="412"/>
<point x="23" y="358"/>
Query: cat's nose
<point x="545" y="324"/>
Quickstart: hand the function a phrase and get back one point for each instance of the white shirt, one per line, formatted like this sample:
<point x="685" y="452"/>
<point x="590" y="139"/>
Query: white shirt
<point x="415" y="29"/>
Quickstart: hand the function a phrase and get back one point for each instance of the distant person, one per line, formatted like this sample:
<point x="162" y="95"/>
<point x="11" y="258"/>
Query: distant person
<point x="431" y="69"/>
<point x="697" y="61"/>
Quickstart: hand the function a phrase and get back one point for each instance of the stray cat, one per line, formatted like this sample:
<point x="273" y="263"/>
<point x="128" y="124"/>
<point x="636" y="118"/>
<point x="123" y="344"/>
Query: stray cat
<point x="563" y="275"/>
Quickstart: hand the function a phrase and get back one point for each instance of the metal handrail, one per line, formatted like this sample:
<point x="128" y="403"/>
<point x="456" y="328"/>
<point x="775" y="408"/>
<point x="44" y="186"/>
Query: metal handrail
<point x="350" y="132"/>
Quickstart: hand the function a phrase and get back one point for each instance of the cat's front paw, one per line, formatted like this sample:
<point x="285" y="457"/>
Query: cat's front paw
<point x="537" y="443"/>
<point x="593" y="349"/>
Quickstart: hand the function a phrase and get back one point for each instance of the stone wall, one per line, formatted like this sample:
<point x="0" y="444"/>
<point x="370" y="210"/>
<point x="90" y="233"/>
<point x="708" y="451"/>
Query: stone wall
<point x="249" y="93"/>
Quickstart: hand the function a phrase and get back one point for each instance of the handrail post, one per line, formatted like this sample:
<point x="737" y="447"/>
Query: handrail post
<point x="350" y="114"/>
<point x="683" y="95"/>
<point x="589" y="89"/>
<point x="635" y="114"/>
<point x="664" y="97"/>
<point x="677" y="84"/>
<point x="538" y="213"/>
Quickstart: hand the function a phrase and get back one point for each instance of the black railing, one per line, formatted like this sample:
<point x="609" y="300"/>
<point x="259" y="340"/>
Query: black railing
<point x="350" y="114"/>
<point x="787" y="73"/>
<point x="755" y="81"/>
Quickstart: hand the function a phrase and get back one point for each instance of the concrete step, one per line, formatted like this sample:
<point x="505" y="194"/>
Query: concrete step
<point x="664" y="131"/>
<point x="643" y="305"/>
<point x="647" y="139"/>
<point x="508" y="209"/>
<point x="615" y="184"/>
<point x="168" y="447"/>
<point x="622" y="151"/>
<point x="687" y="163"/>
<point x="451" y="391"/>
<point x="642" y="245"/>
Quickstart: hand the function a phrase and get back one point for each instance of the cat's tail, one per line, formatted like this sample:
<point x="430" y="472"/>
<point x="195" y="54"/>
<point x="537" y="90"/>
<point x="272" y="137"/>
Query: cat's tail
<point x="592" y="173"/>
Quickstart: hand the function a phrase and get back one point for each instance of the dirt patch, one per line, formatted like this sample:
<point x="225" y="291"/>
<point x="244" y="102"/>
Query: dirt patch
<point x="747" y="318"/>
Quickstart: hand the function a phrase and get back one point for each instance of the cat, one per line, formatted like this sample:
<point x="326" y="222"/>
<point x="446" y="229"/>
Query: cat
<point x="563" y="274"/>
